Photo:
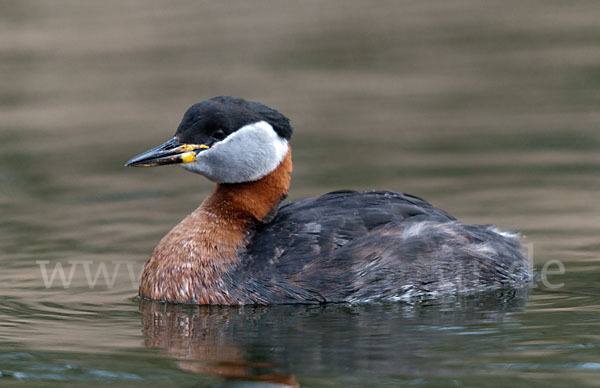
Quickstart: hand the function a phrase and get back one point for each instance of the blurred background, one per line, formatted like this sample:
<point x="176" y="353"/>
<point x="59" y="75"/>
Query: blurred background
<point x="486" y="109"/>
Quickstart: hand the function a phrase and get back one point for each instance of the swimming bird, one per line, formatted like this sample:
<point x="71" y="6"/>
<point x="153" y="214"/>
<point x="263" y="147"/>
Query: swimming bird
<point x="242" y="246"/>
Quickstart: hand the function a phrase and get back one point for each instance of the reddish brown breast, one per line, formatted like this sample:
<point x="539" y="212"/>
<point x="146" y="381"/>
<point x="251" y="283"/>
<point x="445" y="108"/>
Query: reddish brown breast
<point x="194" y="261"/>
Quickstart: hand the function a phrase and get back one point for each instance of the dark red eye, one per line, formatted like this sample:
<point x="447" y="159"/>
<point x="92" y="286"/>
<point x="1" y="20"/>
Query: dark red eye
<point x="219" y="135"/>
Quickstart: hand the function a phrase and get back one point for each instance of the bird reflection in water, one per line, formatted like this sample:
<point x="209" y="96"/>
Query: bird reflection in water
<point x="200" y="338"/>
<point x="267" y="345"/>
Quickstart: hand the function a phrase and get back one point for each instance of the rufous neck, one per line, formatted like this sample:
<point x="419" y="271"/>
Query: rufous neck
<point x="258" y="200"/>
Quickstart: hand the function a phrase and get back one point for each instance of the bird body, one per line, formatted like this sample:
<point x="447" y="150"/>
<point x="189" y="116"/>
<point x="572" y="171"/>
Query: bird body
<point x="242" y="247"/>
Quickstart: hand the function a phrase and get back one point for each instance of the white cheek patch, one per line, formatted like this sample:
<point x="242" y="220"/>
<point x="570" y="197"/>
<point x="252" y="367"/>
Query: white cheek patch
<point x="246" y="155"/>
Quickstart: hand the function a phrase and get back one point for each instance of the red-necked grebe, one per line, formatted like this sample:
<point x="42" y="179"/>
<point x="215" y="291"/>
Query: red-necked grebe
<point x="241" y="247"/>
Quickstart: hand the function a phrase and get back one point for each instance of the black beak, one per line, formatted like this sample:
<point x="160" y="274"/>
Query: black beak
<point x="171" y="152"/>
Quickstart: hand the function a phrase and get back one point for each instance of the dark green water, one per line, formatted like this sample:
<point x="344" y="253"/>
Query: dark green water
<point x="487" y="109"/>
